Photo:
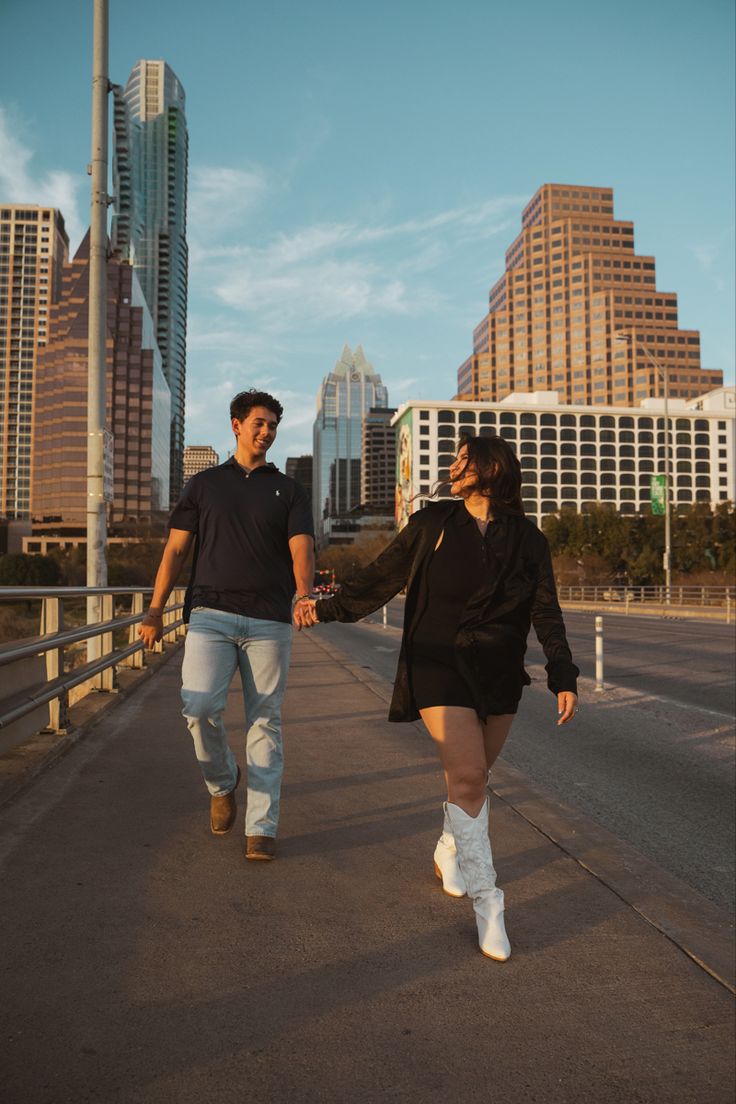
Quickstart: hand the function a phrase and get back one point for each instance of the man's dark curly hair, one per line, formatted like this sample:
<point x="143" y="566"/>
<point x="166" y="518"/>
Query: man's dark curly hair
<point x="244" y="402"/>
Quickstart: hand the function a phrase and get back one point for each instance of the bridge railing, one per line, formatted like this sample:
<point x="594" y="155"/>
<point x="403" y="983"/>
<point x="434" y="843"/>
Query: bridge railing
<point x="714" y="597"/>
<point x="41" y="670"/>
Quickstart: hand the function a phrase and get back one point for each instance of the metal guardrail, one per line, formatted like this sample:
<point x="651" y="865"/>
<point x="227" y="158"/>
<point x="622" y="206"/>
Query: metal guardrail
<point x="53" y="639"/>
<point x="714" y="597"/>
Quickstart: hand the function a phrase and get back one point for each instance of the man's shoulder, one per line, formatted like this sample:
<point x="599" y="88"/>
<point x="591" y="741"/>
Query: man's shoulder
<point x="210" y="475"/>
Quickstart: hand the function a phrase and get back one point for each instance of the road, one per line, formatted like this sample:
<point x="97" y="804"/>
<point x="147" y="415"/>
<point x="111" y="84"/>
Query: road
<point x="145" y="962"/>
<point x="651" y="758"/>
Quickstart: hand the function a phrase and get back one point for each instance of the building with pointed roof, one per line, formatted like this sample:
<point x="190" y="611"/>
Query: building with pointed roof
<point x="346" y="396"/>
<point x="138" y="407"/>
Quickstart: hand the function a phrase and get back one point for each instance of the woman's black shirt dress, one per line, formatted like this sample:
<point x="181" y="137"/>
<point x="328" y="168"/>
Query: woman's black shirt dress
<point x="469" y="606"/>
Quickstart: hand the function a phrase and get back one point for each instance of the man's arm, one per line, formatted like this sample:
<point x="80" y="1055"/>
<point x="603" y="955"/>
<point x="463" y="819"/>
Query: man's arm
<point x="175" y="553"/>
<point x="302" y="557"/>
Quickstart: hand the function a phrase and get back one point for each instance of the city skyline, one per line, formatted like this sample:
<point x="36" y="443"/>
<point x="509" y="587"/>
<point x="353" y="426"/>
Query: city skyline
<point x="326" y="211"/>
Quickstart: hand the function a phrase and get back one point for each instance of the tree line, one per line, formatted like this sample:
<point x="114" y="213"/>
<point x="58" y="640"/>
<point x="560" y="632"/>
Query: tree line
<point x="597" y="547"/>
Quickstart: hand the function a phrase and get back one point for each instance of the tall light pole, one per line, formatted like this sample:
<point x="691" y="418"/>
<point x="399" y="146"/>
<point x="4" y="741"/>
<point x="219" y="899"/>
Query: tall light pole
<point x="628" y="337"/>
<point x="97" y="325"/>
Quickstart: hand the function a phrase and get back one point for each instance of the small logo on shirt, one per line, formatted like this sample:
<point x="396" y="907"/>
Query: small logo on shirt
<point x="278" y="492"/>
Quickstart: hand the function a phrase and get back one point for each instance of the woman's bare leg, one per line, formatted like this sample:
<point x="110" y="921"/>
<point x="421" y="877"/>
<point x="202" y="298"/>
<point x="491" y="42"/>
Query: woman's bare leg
<point x="459" y="737"/>
<point x="495" y="731"/>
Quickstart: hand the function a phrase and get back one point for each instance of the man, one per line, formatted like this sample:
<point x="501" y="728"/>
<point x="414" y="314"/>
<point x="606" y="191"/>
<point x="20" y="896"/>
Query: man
<point x="253" y="541"/>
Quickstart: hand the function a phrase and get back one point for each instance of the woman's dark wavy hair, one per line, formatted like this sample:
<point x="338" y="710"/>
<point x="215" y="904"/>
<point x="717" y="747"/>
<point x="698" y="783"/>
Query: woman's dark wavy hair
<point x="244" y="402"/>
<point x="499" y="472"/>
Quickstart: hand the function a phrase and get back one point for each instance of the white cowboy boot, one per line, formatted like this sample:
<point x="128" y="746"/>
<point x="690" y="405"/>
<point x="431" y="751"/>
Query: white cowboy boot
<point x="476" y="866"/>
<point x="445" y="863"/>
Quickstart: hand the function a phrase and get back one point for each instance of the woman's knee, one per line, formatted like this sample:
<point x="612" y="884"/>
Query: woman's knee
<point x="468" y="782"/>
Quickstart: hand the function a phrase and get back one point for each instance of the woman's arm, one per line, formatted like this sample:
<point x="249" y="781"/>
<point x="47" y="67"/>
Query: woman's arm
<point x="549" y="626"/>
<point x="371" y="587"/>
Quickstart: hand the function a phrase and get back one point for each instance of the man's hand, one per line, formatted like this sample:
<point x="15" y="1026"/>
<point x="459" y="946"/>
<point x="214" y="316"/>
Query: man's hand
<point x="151" y="628"/>
<point x="567" y="706"/>
<point x="305" y="614"/>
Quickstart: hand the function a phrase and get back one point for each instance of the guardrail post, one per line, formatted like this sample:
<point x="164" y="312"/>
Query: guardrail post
<point x="107" y="679"/>
<point x="728" y="609"/>
<point x="169" y="618"/>
<point x="385" y="617"/>
<point x="158" y="647"/>
<point x="599" y="654"/>
<point x="52" y="621"/>
<point x="181" y="594"/>
<point x="136" y="661"/>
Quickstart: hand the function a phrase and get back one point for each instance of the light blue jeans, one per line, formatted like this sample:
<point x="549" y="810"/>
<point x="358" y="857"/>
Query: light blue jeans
<point x="217" y="644"/>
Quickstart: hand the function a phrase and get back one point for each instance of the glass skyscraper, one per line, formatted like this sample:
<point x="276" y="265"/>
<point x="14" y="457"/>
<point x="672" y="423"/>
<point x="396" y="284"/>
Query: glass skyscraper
<point x="150" y="219"/>
<point x="345" y="398"/>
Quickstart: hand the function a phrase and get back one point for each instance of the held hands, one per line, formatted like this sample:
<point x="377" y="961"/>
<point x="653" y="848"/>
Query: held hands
<point x="151" y="628"/>
<point x="567" y="706"/>
<point x="305" y="613"/>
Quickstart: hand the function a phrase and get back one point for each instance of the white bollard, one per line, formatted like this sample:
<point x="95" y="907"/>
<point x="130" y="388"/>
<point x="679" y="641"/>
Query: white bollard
<point x="599" y="654"/>
<point x="385" y="617"/>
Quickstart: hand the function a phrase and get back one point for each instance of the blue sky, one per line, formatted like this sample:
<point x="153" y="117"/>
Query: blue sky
<point x="357" y="170"/>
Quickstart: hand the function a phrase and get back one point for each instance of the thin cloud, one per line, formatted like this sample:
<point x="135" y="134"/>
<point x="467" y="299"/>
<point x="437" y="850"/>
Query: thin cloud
<point x="220" y="196"/>
<point x="706" y="256"/>
<point x="19" y="183"/>
<point x="342" y="271"/>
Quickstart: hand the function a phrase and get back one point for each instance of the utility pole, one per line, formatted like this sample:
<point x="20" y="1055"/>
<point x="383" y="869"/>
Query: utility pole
<point x="97" y="328"/>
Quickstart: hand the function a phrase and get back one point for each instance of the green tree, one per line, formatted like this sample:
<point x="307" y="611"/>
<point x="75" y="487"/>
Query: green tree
<point x="20" y="569"/>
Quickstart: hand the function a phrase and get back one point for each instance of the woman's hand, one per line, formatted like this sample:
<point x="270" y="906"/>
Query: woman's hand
<point x="305" y="614"/>
<point x="567" y="706"/>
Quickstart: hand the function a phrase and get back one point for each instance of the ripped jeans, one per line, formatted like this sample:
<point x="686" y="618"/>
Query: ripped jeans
<point x="217" y="644"/>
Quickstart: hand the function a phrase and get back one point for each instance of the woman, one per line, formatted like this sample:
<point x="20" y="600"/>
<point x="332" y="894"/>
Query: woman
<point x="478" y="574"/>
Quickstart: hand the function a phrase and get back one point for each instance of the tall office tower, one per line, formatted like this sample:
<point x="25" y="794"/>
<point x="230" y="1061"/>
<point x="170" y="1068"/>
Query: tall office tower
<point x="198" y="458"/>
<point x="150" y="218"/>
<point x="378" y="461"/>
<point x="300" y="468"/>
<point x="346" y="396"/>
<point x="33" y="249"/>
<point x="572" y="281"/>
<point x="138" y="408"/>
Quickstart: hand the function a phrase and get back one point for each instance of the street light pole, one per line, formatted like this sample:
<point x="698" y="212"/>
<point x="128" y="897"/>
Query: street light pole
<point x="626" y="335"/>
<point x="97" y="323"/>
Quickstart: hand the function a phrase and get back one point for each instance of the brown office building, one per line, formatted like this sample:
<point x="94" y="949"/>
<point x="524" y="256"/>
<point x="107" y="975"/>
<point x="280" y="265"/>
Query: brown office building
<point x="33" y="248"/>
<point x="378" y="459"/>
<point x="199" y="458"/>
<point x="138" y="409"/>
<point x="572" y="281"/>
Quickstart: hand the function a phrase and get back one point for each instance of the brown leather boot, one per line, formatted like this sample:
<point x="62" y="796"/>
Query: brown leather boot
<point x="223" y="809"/>
<point x="260" y="848"/>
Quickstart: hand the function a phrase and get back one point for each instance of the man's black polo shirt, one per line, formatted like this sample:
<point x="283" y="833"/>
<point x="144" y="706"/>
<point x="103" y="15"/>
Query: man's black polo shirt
<point x="243" y="522"/>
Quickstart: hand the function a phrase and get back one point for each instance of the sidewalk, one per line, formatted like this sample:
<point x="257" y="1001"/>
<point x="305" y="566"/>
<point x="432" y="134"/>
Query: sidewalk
<point x="145" y="961"/>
